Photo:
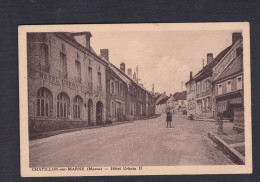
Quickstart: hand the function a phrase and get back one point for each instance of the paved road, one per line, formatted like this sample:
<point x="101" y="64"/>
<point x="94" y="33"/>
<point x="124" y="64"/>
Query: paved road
<point x="141" y="143"/>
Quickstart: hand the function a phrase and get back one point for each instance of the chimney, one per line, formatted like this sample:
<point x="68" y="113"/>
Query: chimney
<point x="236" y="36"/>
<point x="209" y="58"/>
<point x="129" y="72"/>
<point x="239" y="51"/>
<point x="122" y="66"/>
<point x="104" y="53"/>
<point x="83" y="38"/>
<point x="88" y="36"/>
<point x="134" y="76"/>
<point x="190" y="75"/>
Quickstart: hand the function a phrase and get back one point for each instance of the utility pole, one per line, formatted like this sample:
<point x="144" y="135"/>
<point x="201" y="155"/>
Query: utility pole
<point x="153" y="89"/>
<point x="137" y="73"/>
<point x="203" y="63"/>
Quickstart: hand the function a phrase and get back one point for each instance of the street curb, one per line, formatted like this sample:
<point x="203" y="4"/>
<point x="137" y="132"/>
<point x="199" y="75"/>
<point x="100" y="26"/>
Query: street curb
<point x="234" y="155"/>
<point x="58" y="132"/>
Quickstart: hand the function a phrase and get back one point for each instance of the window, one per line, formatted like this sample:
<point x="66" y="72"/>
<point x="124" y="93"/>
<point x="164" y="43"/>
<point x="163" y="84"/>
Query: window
<point x="203" y="85"/>
<point x="121" y="89"/>
<point x="112" y="87"/>
<point x="63" y="105"/>
<point x="198" y="87"/>
<point x="208" y="84"/>
<point x="90" y="74"/>
<point x="77" y="107"/>
<point x="208" y="103"/>
<point x="45" y="54"/>
<point x="44" y="102"/>
<point x="131" y="109"/>
<point x="228" y="86"/>
<point x="112" y="108"/>
<point x="64" y="73"/>
<point x="123" y="105"/>
<point x="78" y="71"/>
<point x="117" y="87"/>
<point x="99" y="81"/>
<point x="239" y="82"/>
<point x="219" y="89"/>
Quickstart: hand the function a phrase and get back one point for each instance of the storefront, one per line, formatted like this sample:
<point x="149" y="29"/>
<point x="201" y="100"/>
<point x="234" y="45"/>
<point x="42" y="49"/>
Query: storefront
<point x="226" y="104"/>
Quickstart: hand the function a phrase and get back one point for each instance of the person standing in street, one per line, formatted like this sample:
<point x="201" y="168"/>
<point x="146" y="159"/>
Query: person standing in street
<point x="169" y="118"/>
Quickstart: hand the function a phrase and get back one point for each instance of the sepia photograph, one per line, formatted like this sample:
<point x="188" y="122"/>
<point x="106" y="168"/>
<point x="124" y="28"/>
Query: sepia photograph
<point x="135" y="99"/>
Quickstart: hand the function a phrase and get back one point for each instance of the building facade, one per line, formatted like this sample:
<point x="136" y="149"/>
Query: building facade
<point x="161" y="103"/>
<point x="117" y="91"/>
<point x="66" y="81"/>
<point x="191" y="99"/>
<point x="228" y="80"/>
<point x="205" y="90"/>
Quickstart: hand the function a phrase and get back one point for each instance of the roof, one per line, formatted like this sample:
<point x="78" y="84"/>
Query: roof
<point x="234" y="66"/>
<point x="162" y="96"/>
<point x="183" y="95"/>
<point x="176" y="96"/>
<point x="207" y="70"/>
<point x="121" y="75"/>
<point x="180" y="96"/>
<point x="163" y="101"/>
<point x="70" y="36"/>
<point x="158" y="96"/>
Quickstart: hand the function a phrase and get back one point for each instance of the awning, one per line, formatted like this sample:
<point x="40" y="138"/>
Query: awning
<point x="236" y="100"/>
<point x="221" y="106"/>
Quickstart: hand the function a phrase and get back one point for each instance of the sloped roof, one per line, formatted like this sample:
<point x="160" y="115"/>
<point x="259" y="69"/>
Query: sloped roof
<point x="162" y="96"/>
<point x="176" y="96"/>
<point x="183" y="95"/>
<point x="234" y="66"/>
<point x="120" y="74"/>
<point x="163" y="101"/>
<point x="180" y="96"/>
<point x="158" y="96"/>
<point x="207" y="70"/>
<point x="70" y="36"/>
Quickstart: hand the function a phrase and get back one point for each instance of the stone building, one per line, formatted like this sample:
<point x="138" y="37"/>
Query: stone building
<point x="177" y="102"/>
<point x="117" y="93"/>
<point x="204" y="89"/>
<point x="66" y="81"/>
<point x="136" y="100"/>
<point x="150" y="104"/>
<point x="228" y="80"/>
<point x="161" y="103"/>
<point x="191" y="99"/>
<point x="126" y="99"/>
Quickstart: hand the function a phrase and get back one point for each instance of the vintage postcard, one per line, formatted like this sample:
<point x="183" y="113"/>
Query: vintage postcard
<point x="135" y="99"/>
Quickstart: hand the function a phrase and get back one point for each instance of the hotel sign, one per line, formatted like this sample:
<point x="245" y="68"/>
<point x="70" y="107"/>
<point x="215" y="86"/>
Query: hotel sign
<point x="63" y="82"/>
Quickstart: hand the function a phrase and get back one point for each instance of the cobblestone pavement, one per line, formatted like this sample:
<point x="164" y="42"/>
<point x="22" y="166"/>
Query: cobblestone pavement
<point x="141" y="143"/>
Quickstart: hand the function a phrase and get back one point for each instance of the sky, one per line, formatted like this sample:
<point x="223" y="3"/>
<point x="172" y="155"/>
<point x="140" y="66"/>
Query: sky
<point x="164" y="58"/>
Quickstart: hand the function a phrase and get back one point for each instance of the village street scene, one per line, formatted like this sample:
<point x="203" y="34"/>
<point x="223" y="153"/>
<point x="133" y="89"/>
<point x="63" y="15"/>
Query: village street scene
<point x="139" y="99"/>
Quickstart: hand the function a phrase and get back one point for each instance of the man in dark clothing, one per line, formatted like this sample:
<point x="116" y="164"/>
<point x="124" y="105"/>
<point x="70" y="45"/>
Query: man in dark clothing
<point x="169" y="118"/>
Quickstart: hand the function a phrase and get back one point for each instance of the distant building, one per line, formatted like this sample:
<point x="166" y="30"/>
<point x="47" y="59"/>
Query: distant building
<point x="161" y="103"/>
<point x="191" y="97"/>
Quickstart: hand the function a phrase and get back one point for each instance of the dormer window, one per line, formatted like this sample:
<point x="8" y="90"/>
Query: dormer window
<point x="228" y="86"/>
<point x="219" y="89"/>
<point x="239" y="83"/>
